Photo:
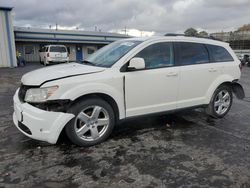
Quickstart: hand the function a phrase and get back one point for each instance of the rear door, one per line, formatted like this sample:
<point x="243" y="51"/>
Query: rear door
<point x="196" y="73"/>
<point x="155" y="88"/>
<point x="58" y="52"/>
<point x="64" y="52"/>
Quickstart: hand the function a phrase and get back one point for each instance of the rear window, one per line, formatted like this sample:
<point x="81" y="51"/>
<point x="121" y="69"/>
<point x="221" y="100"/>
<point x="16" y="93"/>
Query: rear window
<point x="57" y="49"/>
<point x="192" y="53"/>
<point x="219" y="54"/>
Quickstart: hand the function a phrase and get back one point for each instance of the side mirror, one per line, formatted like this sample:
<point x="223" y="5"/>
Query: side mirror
<point x="136" y="63"/>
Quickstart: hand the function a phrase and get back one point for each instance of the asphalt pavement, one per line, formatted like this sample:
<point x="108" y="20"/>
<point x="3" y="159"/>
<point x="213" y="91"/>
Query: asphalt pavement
<point x="185" y="149"/>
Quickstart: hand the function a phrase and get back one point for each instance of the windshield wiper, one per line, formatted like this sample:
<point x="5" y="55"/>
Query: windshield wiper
<point x="88" y="63"/>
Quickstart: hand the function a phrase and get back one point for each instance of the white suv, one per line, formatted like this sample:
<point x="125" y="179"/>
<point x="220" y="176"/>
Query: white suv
<point x="53" y="53"/>
<point x="128" y="78"/>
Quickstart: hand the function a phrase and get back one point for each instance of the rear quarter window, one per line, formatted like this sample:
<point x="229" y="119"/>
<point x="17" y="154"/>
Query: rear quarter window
<point x="219" y="53"/>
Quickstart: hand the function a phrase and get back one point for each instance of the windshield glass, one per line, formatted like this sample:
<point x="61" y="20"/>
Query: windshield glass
<point x="108" y="55"/>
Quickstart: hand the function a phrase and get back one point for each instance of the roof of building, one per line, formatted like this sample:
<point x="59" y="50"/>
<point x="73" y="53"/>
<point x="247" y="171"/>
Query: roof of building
<point x="65" y="36"/>
<point x="6" y="8"/>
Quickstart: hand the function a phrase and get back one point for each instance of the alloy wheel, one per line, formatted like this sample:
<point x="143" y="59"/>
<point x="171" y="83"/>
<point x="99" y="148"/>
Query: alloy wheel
<point x="222" y="102"/>
<point x="91" y="123"/>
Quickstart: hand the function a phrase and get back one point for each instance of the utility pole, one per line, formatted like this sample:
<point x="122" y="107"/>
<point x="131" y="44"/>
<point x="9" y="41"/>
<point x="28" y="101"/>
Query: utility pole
<point x="56" y="26"/>
<point x="95" y="28"/>
<point x="125" y="30"/>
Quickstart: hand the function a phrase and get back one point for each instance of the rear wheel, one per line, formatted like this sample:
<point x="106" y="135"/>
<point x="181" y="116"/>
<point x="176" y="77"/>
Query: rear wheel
<point x="93" y="123"/>
<point x="221" y="102"/>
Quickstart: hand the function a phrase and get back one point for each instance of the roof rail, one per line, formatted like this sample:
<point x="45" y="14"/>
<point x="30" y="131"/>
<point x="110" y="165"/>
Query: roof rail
<point x="174" y="34"/>
<point x="205" y="37"/>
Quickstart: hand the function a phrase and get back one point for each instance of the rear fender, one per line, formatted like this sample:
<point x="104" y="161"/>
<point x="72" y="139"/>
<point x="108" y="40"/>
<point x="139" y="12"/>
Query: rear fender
<point x="238" y="90"/>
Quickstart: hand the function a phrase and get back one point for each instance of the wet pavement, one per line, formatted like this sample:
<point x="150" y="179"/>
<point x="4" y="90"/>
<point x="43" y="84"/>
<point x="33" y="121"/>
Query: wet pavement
<point x="186" y="149"/>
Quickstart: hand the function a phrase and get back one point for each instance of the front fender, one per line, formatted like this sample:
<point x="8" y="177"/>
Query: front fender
<point x="85" y="89"/>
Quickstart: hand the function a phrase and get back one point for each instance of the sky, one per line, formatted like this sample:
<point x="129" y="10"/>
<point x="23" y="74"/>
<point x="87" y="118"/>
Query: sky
<point x="139" y="17"/>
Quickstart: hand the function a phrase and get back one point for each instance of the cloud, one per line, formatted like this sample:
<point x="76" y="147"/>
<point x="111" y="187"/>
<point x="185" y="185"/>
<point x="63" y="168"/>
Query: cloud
<point x="159" y="16"/>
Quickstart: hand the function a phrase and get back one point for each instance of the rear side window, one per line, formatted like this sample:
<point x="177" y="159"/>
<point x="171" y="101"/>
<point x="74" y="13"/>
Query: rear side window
<point x="192" y="53"/>
<point x="157" y="55"/>
<point x="218" y="53"/>
<point x="57" y="49"/>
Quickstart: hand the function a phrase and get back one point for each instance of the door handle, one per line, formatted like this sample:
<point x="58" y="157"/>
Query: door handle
<point x="172" y="74"/>
<point x="212" y="70"/>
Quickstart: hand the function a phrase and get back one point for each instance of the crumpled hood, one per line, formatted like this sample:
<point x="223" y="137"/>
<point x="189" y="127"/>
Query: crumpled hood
<point x="39" y="76"/>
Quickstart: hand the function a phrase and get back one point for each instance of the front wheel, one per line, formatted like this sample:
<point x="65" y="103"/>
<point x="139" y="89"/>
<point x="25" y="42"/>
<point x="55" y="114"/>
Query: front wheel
<point x="93" y="123"/>
<point x="221" y="102"/>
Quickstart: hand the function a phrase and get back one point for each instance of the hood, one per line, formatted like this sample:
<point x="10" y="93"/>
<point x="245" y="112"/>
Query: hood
<point x="39" y="76"/>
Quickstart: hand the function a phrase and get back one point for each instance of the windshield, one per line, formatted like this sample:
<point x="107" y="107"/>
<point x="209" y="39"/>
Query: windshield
<point x="108" y="55"/>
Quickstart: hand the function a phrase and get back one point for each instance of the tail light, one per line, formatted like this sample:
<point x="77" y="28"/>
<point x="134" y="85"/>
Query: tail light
<point x="47" y="54"/>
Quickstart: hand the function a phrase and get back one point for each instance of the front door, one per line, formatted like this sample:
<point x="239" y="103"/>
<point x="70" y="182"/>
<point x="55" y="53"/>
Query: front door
<point x="79" y="56"/>
<point x="154" y="89"/>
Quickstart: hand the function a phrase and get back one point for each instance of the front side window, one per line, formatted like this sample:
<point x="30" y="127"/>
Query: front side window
<point x="110" y="54"/>
<point x="192" y="53"/>
<point x="219" y="54"/>
<point x="157" y="55"/>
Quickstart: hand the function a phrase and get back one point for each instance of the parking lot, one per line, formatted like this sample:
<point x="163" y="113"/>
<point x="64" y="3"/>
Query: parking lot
<point x="185" y="149"/>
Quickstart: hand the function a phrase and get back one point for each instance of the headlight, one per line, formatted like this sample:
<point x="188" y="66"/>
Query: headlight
<point x="39" y="94"/>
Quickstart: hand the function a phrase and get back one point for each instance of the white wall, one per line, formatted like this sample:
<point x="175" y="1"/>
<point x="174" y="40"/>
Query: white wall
<point x="7" y="42"/>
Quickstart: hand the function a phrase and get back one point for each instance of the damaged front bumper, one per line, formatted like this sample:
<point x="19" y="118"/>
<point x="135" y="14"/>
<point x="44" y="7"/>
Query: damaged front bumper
<point x="39" y="124"/>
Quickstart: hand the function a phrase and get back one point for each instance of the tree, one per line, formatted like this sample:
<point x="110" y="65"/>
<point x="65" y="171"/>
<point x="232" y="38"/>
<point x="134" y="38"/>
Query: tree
<point x="191" y="32"/>
<point x="245" y="27"/>
<point x="203" y="34"/>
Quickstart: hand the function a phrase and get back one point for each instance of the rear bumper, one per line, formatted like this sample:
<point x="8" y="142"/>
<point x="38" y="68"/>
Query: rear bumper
<point x="39" y="124"/>
<point x="57" y="60"/>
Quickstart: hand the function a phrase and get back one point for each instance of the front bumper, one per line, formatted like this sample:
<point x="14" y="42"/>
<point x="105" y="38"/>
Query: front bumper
<point x="41" y="125"/>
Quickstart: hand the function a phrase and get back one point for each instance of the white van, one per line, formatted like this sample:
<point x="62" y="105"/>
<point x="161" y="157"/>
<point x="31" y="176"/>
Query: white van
<point x="54" y="54"/>
<point x="125" y="79"/>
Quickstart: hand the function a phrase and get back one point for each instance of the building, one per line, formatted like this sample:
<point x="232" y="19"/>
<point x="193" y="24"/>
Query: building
<point x="238" y="40"/>
<point x="7" y="42"/>
<point x="28" y="41"/>
<point x="80" y="44"/>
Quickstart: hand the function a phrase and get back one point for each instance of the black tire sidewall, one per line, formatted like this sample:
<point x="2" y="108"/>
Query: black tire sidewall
<point x="79" y="106"/>
<point x="212" y="110"/>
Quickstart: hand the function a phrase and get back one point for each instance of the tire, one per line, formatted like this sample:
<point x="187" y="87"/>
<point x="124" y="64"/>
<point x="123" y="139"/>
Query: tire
<point x="93" y="123"/>
<point x="221" y="102"/>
